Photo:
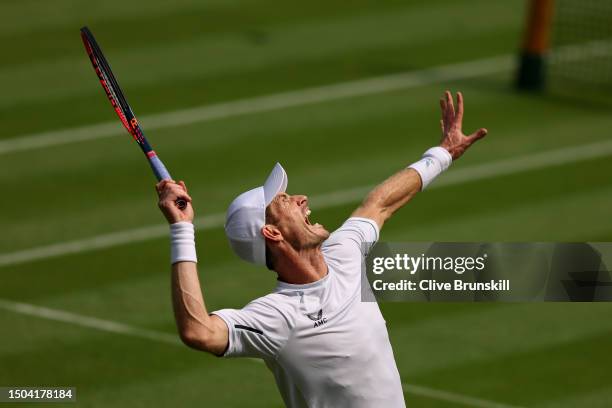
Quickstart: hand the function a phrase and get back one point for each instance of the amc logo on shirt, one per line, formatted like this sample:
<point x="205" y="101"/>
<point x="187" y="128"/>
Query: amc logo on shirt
<point x="317" y="318"/>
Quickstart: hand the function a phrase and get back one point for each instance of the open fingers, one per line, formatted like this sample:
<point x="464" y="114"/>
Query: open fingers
<point x="459" y="115"/>
<point x="450" y="108"/>
<point x="444" y="122"/>
<point x="448" y="111"/>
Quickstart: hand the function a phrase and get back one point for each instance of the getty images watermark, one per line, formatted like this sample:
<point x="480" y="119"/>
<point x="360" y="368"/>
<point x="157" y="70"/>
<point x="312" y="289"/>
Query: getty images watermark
<point x="492" y="272"/>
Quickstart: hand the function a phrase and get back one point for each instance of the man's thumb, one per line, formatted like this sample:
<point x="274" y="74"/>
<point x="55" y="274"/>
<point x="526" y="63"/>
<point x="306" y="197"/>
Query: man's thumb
<point x="479" y="134"/>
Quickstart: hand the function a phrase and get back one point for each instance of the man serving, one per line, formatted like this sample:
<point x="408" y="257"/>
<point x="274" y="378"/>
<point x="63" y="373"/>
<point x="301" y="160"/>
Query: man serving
<point x="325" y="347"/>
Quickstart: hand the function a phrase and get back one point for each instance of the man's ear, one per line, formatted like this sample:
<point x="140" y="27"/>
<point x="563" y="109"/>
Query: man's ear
<point x="272" y="233"/>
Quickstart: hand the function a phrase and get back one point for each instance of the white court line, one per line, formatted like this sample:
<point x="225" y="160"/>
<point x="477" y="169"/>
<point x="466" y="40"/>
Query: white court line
<point x="110" y="326"/>
<point x="326" y="93"/>
<point x="203" y="113"/>
<point x="454" y="177"/>
<point x="453" y="397"/>
<point x="102" y="241"/>
<point x="86" y="321"/>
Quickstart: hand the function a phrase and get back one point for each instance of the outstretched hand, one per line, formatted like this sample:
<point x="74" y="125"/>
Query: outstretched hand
<point x="453" y="138"/>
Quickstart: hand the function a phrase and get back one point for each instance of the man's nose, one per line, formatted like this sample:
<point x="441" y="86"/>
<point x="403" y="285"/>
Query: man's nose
<point x="301" y="200"/>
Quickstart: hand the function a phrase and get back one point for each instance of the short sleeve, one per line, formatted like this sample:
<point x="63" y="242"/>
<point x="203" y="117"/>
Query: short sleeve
<point x="357" y="233"/>
<point x="258" y="330"/>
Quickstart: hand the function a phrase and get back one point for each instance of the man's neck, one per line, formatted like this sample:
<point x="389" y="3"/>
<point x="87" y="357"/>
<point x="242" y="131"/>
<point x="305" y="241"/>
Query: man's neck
<point x="301" y="267"/>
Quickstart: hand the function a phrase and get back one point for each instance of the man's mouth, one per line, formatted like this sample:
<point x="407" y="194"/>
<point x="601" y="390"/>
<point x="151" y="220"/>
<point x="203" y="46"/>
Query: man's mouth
<point x="307" y="219"/>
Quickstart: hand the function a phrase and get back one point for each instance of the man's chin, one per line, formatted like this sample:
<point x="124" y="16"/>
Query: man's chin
<point x="321" y="233"/>
<point x="317" y="234"/>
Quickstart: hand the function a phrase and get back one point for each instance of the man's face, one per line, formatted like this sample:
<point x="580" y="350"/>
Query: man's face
<point x="290" y="214"/>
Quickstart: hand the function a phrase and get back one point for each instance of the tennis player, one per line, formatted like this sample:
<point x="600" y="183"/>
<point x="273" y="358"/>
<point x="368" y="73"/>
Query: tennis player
<point x="325" y="347"/>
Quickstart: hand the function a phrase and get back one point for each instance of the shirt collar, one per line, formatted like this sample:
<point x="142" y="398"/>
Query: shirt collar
<point x="280" y="285"/>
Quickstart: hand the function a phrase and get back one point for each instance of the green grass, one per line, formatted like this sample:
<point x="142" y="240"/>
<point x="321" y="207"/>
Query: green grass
<point x="186" y="54"/>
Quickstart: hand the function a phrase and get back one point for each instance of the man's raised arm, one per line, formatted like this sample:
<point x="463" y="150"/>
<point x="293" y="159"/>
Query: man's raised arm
<point x="397" y="190"/>
<point x="196" y="328"/>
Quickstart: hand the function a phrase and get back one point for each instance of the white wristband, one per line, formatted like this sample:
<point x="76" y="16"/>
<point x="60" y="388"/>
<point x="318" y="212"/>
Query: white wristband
<point x="182" y="242"/>
<point x="434" y="161"/>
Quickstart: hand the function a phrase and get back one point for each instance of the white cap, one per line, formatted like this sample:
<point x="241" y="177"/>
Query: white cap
<point x="246" y="216"/>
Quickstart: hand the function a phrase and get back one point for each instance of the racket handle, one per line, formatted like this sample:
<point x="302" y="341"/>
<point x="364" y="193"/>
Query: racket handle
<point x="161" y="173"/>
<point x="158" y="168"/>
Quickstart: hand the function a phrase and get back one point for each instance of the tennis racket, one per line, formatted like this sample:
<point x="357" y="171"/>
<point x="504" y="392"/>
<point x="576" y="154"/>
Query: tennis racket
<point x="122" y="108"/>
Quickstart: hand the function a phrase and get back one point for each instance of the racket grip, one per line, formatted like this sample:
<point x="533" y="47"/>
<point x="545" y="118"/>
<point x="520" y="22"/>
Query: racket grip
<point x="161" y="173"/>
<point x="159" y="169"/>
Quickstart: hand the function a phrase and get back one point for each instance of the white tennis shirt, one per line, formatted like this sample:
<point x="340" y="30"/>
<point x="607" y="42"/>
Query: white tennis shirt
<point x="325" y="347"/>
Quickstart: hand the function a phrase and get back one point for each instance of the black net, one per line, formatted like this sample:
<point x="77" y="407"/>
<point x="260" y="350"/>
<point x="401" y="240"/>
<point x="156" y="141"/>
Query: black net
<point x="580" y="62"/>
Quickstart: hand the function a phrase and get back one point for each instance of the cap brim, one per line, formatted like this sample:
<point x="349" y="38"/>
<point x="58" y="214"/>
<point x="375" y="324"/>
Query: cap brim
<point x="275" y="183"/>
